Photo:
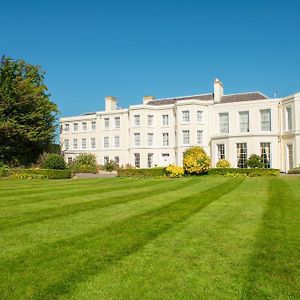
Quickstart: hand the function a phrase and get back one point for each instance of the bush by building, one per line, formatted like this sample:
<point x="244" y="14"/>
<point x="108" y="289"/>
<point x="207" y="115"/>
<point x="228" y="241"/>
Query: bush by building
<point x="256" y="172"/>
<point x="294" y="171"/>
<point x="254" y="161"/>
<point x="223" y="163"/>
<point x="174" y="171"/>
<point x="196" y="161"/>
<point x="84" y="163"/>
<point x="52" y="161"/>
<point x="142" y="173"/>
<point x="40" y="174"/>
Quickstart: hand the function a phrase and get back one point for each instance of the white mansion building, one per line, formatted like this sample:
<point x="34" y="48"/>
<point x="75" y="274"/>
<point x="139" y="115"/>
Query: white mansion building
<point x="158" y="131"/>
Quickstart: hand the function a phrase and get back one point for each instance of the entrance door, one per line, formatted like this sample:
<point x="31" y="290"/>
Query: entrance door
<point x="290" y="156"/>
<point x="165" y="161"/>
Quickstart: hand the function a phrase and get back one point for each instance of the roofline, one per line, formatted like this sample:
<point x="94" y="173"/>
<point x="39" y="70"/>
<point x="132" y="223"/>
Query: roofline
<point x="180" y="97"/>
<point x="248" y="93"/>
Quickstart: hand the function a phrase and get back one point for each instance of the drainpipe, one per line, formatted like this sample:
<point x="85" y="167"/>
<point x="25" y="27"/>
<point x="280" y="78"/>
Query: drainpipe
<point x="280" y="148"/>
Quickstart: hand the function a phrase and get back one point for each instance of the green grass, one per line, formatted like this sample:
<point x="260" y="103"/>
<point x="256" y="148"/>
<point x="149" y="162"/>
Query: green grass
<point x="193" y="238"/>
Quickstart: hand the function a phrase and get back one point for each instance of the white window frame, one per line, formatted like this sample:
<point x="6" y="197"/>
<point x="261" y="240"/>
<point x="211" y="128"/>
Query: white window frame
<point x="75" y="127"/>
<point x="137" y="120"/>
<point x="84" y="126"/>
<point x="150" y="160"/>
<point x="224" y="122"/>
<point x="117" y="141"/>
<point x="137" y="160"/>
<point x="185" y="137"/>
<point x="83" y="143"/>
<point x="137" y="139"/>
<point x="150" y="138"/>
<point x="289" y="118"/>
<point x="221" y="152"/>
<point x="244" y="154"/>
<point x="66" y="144"/>
<point x="185" y="116"/>
<point x="265" y="119"/>
<point x="106" y="142"/>
<point x="165" y="137"/>
<point x="199" y="116"/>
<point x="93" y="125"/>
<point x="93" y="143"/>
<point x="106" y="123"/>
<point x="244" y="126"/>
<point x="263" y="147"/>
<point x="75" y="144"/>
<point x="165" y="120"/>
<point x="117" y="122"/>
<point x="150" y="120"/>
<point x="67" y="127"/>
<point x="199" y="137"/>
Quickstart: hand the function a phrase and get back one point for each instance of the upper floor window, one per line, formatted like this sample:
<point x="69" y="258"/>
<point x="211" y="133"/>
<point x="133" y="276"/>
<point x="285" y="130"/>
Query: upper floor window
<point x="265" y="120"/>
<point x="75" y="126"/>
<point x="83" y="143"/>
<point x="224" y="122"/>
<point x="165" y="120"/>
<point x="117" y="122"/>
<point x="74" y="143"/>
<point x="84" y="126"/>
<point x="117" y="141"/>
<point x="106" y="142"/>
<point x="289" y="119"/>
<point x="165" y="139"/>
<point x="66" y="142"/>
<point x="199" y="116"/>
<point x="185" y="137"/>
<point x="93" y="125"/>
<point x="150" y="120"/>
<point x="185" y="116"/>
<point x="93" y="143"/>
<point x="67" y="127"/>
<point x="137" y="139"/>
<point x="137" y="120"/>
<point x="199" y="137"/>
<point x="106" y="123"/>
<point x="150" y="139"/>
<point x="221" y="151"/>
<point x="244" y="121"/>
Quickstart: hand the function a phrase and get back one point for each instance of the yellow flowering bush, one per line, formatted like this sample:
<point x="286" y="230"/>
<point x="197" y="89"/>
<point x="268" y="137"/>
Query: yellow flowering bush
<point x="174" y="171"/>
<point x="196" y="161"/>
<point x="223" y="163"/>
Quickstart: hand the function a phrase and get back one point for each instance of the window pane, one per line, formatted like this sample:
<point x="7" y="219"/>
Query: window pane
<point x="265" y="119"/>
<point x="137" y="120"/>
<point x="224" y="122"/>
<point x="117" y="122"/>
<point x="199" y="116"/>
<point x="137" y="160"/>
<point x="150" y="160"/>
<point x="221" y="151"/>
<point x="199" y="137"/>
<point x="137" y="139"/>
<point x="150" y="120"/>
<point x="186" y="137"/>
<point x="185" y="116"/>
<point x="244" y="121"/>
<point x="165" y="139"/>
<point x="265" y="154"/>
<point x="106" y="123"/>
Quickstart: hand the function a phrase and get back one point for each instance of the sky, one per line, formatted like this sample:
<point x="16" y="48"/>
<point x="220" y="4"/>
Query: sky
<point x="128" y="49"/>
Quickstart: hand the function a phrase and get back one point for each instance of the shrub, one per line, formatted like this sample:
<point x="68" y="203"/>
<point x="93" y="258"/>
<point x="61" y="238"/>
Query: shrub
<point x="142" y="173"/>
<point x="235" y="172"/>
<point x="110" y="166"/>
<point x="86" y="159"/>
<point x="4" y="171"/>
<point x="85" y="169"/>
<point x="294" y="171"/>
<point x="254" y="161"/>
<point x="174" y="171"/>
<point x="223" y="163"/>
<point x="40" y="174"/>
<point x="196" y="161"/>
<point x="53" y="161"/>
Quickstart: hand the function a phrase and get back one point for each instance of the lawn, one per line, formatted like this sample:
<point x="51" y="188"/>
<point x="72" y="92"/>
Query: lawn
<point x="205" y="237"/>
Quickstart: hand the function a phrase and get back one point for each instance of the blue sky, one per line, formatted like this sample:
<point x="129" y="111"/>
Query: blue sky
<point x="90" y="49"/>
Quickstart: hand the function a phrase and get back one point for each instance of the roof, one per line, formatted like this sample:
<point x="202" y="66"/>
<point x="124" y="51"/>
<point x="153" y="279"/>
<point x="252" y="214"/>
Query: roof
<point x="209" y="97"/>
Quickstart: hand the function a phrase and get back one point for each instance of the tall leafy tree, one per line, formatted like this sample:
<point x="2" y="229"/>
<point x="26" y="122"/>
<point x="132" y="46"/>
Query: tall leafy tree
<point x="27" y="115"/>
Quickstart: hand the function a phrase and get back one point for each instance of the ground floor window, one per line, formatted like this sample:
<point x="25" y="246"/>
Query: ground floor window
<point x="290" y="154"/>
<point x="150" y="160"/>
<point x="70" y="160"/>
<point x="106" y="159"/>
<point x="137" y="160"/>
<point x="241" y="154"/>
<point x="221" y="151"/>
<point x="265" y="154"/>
<point x="165" y="159"/>
<point x="117" y="160"/>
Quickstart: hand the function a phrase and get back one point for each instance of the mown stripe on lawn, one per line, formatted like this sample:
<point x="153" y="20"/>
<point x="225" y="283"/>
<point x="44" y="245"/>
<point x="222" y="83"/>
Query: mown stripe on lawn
<point x="55" y="269"/>
<point x="65" y="192"/>
<point x="274" y="265"/>
<point x="102" y="200"/>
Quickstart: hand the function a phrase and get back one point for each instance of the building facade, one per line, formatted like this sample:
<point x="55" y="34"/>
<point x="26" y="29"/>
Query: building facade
<point x="158" y="131"/>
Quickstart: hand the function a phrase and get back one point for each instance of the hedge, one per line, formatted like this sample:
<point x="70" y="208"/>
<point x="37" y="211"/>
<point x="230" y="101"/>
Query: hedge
<point x="294" y="171"/>
<point x="247" y="172"/>
<point x="4" y="172"/>
<point x="40" y="174"/>
<point x="142" y="173"/>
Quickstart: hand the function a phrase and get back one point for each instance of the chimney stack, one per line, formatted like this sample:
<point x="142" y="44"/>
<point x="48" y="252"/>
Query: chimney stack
<point x="218" y="91"/>
<point x="110" y="103"/>
<point x="147" y="99"/>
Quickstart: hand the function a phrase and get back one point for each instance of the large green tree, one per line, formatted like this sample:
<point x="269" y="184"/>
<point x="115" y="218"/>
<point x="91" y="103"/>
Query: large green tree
<point x="27" y="115"/>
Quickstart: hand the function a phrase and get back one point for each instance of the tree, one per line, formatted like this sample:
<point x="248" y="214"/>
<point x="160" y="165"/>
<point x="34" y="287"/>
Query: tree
<point x="27" y="114"/>
<point x="196" y="161"/>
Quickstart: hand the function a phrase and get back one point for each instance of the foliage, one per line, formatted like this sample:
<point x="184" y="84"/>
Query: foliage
<point x="174" y="171"/>
<point x="85" y="169"/>
<point x="142" y="173"/>
<point x="236" y="172"/>
<point x="4" y="171"/>
<point x="196" y="161"/>
<point x="27" y="114"/>
<point x="254" y="161"/>
<point x="53" y="161"/>
<point x="294" y="171"/>
<point x="40" y="174"/>
<point x="110" y="166"/>
<point x="86" y="159"/>
<point x="223" y="163"/>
